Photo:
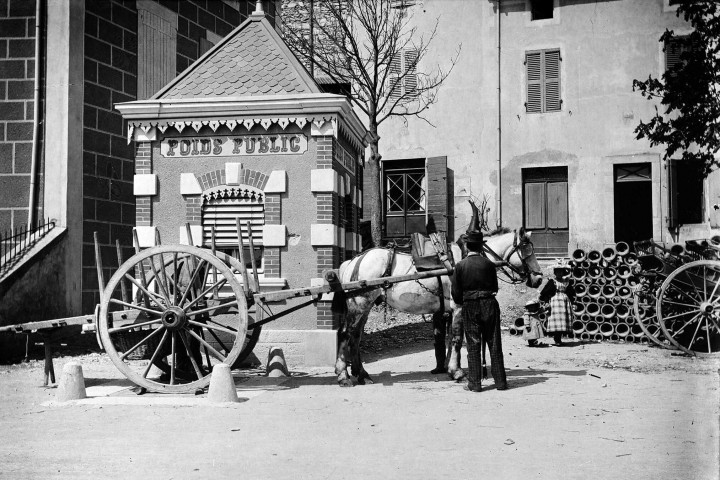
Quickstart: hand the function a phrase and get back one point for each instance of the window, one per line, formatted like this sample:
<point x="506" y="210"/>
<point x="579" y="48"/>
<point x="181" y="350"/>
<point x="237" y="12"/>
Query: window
<point x="220" y="214"/>
<point x="541" y="9"/>
<point x="405" y="193"/>
<point x="686" y="193"/>
<point x="675" y="48"/>
<point x="157" y="45"/>
<point x="543" y="81"/>
<point x="403" y="75"/>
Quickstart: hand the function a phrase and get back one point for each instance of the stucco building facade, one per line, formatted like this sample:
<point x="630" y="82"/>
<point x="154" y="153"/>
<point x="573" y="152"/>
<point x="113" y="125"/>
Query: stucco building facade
<point x="538" y="115"/>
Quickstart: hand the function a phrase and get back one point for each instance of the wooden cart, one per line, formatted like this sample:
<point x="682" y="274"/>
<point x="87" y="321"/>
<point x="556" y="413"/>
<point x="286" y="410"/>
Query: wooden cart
<point x="677" y="303"/>
<point x="171" y="312"/>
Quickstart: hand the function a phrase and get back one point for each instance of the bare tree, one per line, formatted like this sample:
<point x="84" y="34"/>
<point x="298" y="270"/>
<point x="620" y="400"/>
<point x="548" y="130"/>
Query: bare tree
<point x="371" y="46"/>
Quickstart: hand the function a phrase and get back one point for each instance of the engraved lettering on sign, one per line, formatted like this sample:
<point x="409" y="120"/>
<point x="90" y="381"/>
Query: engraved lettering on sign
<point x="243" y="145"/>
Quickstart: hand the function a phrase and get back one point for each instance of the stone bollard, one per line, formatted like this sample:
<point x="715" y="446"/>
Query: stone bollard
<point x="72" y="383"/>
<point x="222" y="385"/>
<point x="276" y="366"/>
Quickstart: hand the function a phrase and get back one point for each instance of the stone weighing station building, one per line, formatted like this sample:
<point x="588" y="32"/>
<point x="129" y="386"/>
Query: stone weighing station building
<point x="246" y="133"/>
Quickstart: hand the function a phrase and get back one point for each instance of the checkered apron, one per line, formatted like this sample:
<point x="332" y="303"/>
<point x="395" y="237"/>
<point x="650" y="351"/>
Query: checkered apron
<point x="482" y="317"/>
<point x="560" y="311"/>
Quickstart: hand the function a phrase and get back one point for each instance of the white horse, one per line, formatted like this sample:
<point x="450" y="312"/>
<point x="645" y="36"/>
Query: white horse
<point x="511" y="251"/>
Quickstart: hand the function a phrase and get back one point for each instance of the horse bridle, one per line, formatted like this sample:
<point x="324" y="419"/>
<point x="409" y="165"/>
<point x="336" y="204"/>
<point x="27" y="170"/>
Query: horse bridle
<point x="516" y="275"/>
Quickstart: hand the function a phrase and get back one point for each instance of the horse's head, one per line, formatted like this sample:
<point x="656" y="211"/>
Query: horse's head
<point x="524" y="258"/>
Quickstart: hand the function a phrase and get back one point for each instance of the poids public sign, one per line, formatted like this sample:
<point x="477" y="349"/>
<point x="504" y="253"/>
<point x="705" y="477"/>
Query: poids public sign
<point x="223" y="146"/>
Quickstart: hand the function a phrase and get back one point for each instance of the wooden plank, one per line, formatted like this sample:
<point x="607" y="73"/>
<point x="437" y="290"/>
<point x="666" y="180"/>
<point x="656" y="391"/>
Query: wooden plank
<point x="119" y="318"/>
<point x="350" y="286"/>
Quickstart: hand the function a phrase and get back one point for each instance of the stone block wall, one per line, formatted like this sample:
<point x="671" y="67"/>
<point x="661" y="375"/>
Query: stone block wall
<point x="17" y="73"/>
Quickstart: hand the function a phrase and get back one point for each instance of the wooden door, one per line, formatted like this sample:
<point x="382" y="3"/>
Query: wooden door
<point x="545" y="210"/>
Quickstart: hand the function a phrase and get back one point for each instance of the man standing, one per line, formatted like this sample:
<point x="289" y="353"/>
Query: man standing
<point x="474" y="285"/>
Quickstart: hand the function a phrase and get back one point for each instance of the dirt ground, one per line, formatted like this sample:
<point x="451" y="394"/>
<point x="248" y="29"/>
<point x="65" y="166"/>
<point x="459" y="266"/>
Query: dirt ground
<point x="585" y="410"/>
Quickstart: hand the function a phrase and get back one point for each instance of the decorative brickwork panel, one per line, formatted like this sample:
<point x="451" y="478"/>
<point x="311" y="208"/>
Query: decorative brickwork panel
<point x="324" y="147"/>
<point x="326" y="318"/>
<point x="328" y="210"/>
<point x="273" y="209"/>
<point x="193" y="209"/>
<point x="272" y="262"/>
<point x="143" y="211"/>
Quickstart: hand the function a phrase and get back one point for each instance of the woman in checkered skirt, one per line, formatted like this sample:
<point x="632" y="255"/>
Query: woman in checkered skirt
<point x="560" y="296"/>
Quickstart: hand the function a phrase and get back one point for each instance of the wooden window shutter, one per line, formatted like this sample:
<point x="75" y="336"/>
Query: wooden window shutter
<point x="672" y="216"/>
<point x="221" y="213"/>
<point x="714" y="197"/>
<point x="535" y="205"/>
<point x="410" y="58"/>
<point x="551" y="72"/>
<point x="533" y="64"/>
<point x="157" y="48"/>
<point x="557" y="205"/>
<point x="394" y="82"/>
<point x="437" y="193"/>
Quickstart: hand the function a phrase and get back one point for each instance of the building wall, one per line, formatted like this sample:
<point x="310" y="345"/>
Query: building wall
<point x="604" y="45"/>
<point x="17" y="72"/>
<point x="111" y="75"/>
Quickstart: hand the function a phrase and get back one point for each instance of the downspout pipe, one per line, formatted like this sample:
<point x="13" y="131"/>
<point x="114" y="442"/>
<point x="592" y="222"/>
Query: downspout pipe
<point x="36" y="118"/>
<point x="499" y="98"/>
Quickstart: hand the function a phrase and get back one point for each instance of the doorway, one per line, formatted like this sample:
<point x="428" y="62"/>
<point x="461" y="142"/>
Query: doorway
<point x="545" y="209"/>
<point x="633" y="202"/>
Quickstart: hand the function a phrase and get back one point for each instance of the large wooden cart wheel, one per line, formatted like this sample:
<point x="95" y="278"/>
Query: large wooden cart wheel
<point x="688" y="306"/>
<point x="173" y="318"/>
<point x="253" y="333"/>
<point x="644" y="301"/>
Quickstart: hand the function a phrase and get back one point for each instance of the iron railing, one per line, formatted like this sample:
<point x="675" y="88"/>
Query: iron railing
<point x="15" y="243"/>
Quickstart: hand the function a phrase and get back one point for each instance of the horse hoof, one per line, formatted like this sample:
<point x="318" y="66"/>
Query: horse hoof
<point x="365" y="380"/>
<point x="458" y="375"/>
<point x="346" y="383"/>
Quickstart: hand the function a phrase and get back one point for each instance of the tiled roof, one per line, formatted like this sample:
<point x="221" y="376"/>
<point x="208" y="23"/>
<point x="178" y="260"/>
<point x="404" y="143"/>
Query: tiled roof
<point x="252" y="60"/>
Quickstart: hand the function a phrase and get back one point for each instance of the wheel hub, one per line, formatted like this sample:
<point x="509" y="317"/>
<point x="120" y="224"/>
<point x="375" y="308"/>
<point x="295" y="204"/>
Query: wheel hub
<point x="707" y="308"/>
<point x="174" y="318"/>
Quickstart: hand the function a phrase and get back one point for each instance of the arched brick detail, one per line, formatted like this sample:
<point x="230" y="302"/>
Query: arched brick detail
<point x="215" y="178"/>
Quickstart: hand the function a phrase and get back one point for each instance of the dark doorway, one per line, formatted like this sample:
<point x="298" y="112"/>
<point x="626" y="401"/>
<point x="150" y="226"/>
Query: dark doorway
<point x="633" y="202"/>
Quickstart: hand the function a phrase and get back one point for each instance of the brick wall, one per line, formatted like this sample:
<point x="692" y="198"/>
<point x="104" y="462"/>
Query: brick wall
<point x="111" y="49"/>
<point x="17" y="72"/>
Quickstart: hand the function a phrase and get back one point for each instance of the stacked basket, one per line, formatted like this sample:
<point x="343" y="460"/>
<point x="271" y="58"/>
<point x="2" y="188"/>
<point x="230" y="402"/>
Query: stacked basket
<point x="604" y="304"/>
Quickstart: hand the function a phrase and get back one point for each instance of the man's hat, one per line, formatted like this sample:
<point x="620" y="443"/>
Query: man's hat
<point x="474" y="237"/>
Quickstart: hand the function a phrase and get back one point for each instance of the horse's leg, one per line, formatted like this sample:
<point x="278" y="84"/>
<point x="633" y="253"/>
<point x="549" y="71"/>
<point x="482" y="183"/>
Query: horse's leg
<point x="453" y="369"/>
<point x="439" y="329"/>
<point x="357" y="368"/>
<point x="343" y="356"/>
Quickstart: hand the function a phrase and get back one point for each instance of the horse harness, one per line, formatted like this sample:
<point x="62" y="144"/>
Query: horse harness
<point x="515" y="274"/>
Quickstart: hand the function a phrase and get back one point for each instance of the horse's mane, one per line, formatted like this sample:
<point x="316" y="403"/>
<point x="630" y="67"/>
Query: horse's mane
<point x="498" y="231"/>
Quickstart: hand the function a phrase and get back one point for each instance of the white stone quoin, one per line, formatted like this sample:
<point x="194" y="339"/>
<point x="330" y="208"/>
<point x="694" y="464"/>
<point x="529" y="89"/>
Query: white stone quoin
<point x="274" y="235"/>
<point x="189" y="184"/>
<point x="324" y="180"/>
<point x="323" y="235"/>
<point x="277" y="183"/>
<point x="146" y="236"/>
<point x="195" y="231"/>
<point x="145" y="184"/>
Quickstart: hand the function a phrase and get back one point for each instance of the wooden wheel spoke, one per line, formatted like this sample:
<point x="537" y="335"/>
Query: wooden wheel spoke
<point x="132" y="325"/>
<point x="141" y="343"/>
<point x="232" y="330"/>
<point x="695" y="307"/>
<point x="712" y="295"/>
<point x="155" y="354"/>
<point x="186" y="343"/>
<point x="159" y="281"/>
<point x="217" y="339"/>
<point x="213" y="327"/>
<point x="210" y="309"/>
<point x="214" y="352"/>
<point x="202" y="295"/>
<point x="707" y="335"/>
<point x="175" y="277"/>
<point x="191" y="284"/>
<point x="684" y="292"/>
<point x="135" y="307"/>
<point x="697" y="329"/>
<point x="148" y="293"/>
<point x="678" y="315"/>
<point x="682" y="329"/>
